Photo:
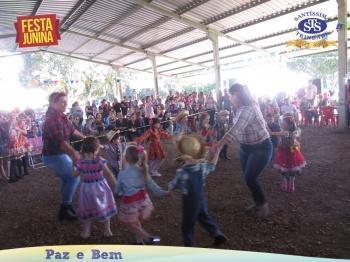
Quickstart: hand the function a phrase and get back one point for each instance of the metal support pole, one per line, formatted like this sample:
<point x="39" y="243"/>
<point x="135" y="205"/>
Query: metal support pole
<point x="342" y="64"/>
<point x="215" y="41"/>
<point x="119" y="84"/>
<point x="155" y="74"/>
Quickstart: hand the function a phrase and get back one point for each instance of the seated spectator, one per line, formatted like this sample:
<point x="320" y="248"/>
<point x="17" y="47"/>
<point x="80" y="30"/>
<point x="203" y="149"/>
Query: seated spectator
<point x="90" y="127"/>
<point x="134" y="128"/>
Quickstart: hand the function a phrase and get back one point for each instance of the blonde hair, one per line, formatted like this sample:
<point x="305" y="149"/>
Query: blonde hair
<point x="136" y="154"/>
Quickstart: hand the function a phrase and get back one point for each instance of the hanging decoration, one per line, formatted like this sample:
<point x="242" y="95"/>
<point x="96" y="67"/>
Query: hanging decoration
<point x="304" y="44"/>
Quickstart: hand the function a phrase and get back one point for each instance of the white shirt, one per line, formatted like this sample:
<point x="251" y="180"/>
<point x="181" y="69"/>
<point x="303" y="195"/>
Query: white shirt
<point x="311" y="92"/>
<point x="288" y="109"/>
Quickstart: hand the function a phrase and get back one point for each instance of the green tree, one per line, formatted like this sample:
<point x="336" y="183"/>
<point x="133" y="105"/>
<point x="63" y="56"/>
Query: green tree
<point x="318" y="66"/>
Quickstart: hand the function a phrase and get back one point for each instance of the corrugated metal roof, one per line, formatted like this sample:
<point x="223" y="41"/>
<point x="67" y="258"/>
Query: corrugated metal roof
<point x="171" y="4"/>
<point x="60" y="8"/>
<point x="9" y="10"/>
<point x="283" y="22"/>
<point x="92" y="48"/>
<point x="213" y="8"/>
<point x="131" y="58"/>
<point x="101" y="14"/>
<point x="113" y="53"/>
<point x="143" y="64"/>
<point x="140" y="19"/>
<point x="140" y="27"/>
<point x="159" y="32"/>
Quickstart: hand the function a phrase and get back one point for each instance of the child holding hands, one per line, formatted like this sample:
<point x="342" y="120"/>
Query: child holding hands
<point x="190" y="177"/>
<point x="96" y="199"/>
<point x="133" y="182"/>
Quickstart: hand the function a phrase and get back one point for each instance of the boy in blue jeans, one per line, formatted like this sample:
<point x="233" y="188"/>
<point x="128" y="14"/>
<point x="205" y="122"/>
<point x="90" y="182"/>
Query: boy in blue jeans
<point x="190" y="177"/>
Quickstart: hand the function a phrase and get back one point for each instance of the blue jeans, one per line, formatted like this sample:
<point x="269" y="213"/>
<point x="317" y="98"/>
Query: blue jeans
<point x="195" y="208"/>
<point x="254" y="159"/>
<point x="62" y="166"/>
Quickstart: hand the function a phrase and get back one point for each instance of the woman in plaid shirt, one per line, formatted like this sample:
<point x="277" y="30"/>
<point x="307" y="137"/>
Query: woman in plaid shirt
<point x="250" y="130"/>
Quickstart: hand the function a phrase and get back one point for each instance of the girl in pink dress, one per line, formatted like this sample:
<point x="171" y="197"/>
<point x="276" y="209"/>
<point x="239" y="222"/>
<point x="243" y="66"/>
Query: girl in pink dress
<point x="96" y="199"/>
<point x="36" y="142"/>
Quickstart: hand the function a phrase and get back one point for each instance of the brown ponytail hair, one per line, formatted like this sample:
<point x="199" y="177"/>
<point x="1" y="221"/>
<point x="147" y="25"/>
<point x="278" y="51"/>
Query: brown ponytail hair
<point x="136" y="154"/>
<point x="243" y="94"/>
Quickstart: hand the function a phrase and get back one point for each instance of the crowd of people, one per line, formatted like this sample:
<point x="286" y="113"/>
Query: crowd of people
<point x="201" y="129"/>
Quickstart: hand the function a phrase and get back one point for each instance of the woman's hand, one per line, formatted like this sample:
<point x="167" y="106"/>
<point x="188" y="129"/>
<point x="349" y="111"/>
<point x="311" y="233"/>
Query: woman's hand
<point x="75" y="156"/>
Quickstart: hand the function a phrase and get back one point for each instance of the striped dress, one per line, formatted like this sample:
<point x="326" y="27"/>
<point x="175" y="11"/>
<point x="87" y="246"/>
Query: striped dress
<point x="96" y="199"/>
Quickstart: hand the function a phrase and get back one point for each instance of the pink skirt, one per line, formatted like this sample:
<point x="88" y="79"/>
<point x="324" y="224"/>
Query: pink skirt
<point x="135" y="208"/>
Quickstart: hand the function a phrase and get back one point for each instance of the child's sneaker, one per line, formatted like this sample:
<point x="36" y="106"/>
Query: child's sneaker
<point x="220" y="240"/>
<point x="263" y="211"/>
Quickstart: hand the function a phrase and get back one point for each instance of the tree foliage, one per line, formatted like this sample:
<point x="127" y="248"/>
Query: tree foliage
<point x="83" y="81"/>
<point x="200" y="88"/>
<point x="319" y="66"/>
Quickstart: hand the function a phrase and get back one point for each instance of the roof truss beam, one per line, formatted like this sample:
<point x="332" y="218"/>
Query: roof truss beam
<point x="210" y="20"/>
<point x="255" y="21"/>
<point x="109" y="26"/>
<point x="7" y="36"/>
<point x="275" y="15"/>
<point x="241" y="53"/>
<point x="77" y="11"/>
<point x="135" y="49"/>
<point x="179" y="11"/>
<point x="248" y="41"/>
<point x="204" y="28"/>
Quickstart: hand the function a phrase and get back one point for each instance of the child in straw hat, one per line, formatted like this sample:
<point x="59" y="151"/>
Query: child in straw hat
<point x="182" y="124"/>
<point x="190" y="177"/>
<point x="114" y="152"/>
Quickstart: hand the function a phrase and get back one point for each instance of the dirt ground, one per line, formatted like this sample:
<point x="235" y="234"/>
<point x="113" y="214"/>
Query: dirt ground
<point x="313" y="221"/>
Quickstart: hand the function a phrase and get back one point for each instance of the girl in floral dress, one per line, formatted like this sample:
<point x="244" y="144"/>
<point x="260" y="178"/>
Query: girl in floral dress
<point x="156" y="151"/>
<point x="96" y="199"/>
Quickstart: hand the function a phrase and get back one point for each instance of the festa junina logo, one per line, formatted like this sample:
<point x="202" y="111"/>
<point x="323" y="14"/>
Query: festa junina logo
<point x="312" y="31"/>
<point x="39" y="30"/>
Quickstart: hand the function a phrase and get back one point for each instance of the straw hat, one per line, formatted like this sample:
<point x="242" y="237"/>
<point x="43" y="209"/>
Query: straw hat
<point x="91" y="117"/>
<point x="191" y="147"/>
<point x="111" y="134"/>
<point x="224" y="113"/>
<point x="181" y="115"/>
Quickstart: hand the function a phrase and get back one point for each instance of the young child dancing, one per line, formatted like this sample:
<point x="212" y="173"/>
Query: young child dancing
<point x="190" y="177"/>
<point x="96" y="199"/>
<point x="221" y="128"/>
<point x="289" y="160"/>
<point x="274" y="128"/>
<point x="114" y="152"/>
<point x="156" y="151"/>
<point x="132" y="184"/>
<point x="205" y="129"/>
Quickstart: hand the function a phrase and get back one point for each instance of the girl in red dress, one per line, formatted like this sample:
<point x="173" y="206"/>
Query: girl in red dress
<point x="289" y="160"/>
<point x="205" y="129"/>
<point x="156" y="153"/>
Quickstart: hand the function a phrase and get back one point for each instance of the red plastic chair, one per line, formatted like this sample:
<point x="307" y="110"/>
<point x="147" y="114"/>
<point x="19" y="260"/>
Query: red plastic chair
<point x="328" y="116"/>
